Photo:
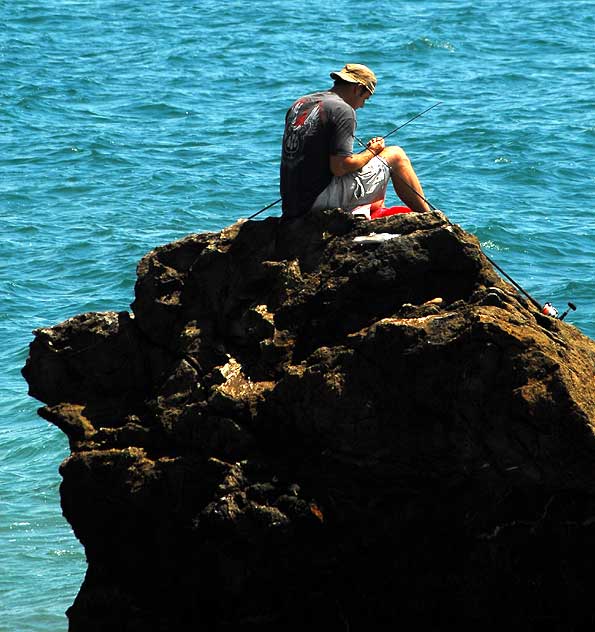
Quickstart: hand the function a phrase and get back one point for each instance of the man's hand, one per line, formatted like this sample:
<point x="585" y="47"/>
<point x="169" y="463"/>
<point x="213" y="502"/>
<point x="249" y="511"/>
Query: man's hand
<point x="375" y="145"/>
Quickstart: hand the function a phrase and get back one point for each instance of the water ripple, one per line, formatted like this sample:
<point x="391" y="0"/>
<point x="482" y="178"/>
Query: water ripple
<point x="124" y="125"/>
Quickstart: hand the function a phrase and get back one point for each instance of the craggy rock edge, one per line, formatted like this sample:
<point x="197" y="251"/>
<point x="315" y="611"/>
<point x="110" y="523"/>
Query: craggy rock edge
<point x="292" y="427"/>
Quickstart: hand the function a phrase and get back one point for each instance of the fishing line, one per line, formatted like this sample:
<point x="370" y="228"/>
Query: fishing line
<point x="262" y="210"/>
<point x="411" y="119"/>
<point x="547" y="308"/>
<point x="396" y="175"/>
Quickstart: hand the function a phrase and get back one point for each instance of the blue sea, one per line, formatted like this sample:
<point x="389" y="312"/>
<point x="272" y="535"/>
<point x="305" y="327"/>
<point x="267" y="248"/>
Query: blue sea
<point x="127" y="124"/>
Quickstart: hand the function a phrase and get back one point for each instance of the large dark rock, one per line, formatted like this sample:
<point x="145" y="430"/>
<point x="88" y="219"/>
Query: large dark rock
<point x="299" y="426"/>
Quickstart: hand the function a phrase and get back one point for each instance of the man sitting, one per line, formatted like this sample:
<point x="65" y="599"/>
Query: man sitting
<point x="318" y="167"/>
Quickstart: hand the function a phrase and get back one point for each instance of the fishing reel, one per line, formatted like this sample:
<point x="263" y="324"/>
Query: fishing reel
<point x="549" y="310"/>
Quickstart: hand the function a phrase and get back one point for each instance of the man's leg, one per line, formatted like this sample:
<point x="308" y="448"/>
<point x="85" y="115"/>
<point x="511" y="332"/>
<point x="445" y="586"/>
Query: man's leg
<point x="404" y="178"/>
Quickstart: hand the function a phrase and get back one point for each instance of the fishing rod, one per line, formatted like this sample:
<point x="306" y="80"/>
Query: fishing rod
<point x="411" y="119"/>
<point x="518" y="287"/>
<point x="262" y="210"/>
<point x="359" y="140"/>
<point x="547" y="308"/>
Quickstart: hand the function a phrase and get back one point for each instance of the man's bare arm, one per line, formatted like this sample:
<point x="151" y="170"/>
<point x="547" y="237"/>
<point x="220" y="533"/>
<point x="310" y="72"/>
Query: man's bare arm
<point x="342" y="165"/>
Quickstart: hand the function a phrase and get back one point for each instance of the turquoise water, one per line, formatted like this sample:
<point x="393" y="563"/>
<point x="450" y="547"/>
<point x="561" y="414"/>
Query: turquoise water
<point x="124" y="125"/>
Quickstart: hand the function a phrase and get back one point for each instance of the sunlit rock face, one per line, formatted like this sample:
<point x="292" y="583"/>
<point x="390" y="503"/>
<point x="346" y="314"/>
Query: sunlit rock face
<point x="325" y="420"/>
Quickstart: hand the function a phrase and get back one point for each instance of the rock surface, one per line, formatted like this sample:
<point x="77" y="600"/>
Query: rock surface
<point x="301" y="424"/>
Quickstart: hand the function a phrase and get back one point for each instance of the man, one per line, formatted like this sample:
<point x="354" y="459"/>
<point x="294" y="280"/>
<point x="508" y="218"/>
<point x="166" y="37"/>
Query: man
<point x="318" y="167"/>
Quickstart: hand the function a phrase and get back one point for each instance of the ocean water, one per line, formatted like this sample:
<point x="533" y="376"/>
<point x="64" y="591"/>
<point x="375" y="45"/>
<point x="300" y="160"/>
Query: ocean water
<point x="125" y="125"/>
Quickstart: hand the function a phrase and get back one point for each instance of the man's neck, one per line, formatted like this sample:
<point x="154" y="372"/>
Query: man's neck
<point x="345" y="92"/>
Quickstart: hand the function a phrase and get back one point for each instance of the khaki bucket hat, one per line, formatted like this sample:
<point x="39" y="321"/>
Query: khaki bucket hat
<point x="357" y="73"/>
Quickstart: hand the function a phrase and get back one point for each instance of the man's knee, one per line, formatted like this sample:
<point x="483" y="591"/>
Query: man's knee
<point x="395" y="156"/>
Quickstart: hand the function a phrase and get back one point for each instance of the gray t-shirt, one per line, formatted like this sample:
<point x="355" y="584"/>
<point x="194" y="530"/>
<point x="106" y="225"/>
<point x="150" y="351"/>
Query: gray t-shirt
<point x="316" y="126"/>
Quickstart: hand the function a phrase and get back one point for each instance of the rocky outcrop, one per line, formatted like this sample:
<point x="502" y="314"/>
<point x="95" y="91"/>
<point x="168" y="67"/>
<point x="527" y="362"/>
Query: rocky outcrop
<point x="324" y="420"/>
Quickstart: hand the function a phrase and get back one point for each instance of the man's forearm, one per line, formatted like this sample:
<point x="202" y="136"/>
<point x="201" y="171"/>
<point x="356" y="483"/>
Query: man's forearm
<point x="342" y="165"/>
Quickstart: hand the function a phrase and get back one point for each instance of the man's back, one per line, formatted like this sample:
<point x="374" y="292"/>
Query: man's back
<point x="316" y="126"/>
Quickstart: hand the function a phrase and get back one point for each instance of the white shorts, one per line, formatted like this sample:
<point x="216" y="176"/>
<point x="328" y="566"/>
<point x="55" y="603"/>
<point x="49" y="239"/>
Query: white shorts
<point x="354" y="189"/>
